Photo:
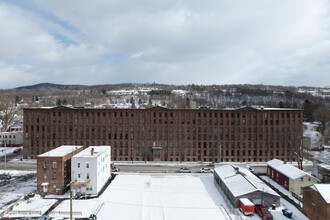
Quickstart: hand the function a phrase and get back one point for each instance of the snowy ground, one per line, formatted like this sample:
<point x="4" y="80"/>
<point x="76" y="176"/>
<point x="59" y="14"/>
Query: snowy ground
<point x="7" y="150"/>
<point x="14" y="190"/>
<point x="33" y="207"/>
<point x="140" y="197"/>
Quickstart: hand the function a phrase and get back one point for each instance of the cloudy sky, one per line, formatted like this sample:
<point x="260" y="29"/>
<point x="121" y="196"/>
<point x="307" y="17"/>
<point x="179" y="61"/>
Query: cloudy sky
<point x="277" y="42"/>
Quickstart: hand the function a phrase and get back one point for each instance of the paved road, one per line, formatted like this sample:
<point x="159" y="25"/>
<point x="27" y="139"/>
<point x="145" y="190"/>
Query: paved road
<point x="16" y="164"/>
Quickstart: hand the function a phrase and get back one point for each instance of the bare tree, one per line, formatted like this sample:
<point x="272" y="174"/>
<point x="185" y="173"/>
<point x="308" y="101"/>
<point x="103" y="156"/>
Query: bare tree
<point x="8" y="112"/>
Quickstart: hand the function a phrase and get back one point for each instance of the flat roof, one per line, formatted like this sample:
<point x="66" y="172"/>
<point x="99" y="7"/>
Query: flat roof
<point x="98" y="150"/>
<point x="60" y="151"/>
<point x="255" y="108"/>
<point x="242" y="182"/>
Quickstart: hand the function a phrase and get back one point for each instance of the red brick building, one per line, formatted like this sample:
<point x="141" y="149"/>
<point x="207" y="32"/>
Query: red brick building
<point x="54" y="169"/>
<point x="316" y="201"/>
<point x="161" y="134"/>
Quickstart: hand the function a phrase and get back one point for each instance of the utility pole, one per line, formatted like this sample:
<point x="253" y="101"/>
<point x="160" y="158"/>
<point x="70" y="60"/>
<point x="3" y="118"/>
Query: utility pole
<point x="5" y="156"/>
<point x="71" y="201"/>
<point x="73" y="181"/>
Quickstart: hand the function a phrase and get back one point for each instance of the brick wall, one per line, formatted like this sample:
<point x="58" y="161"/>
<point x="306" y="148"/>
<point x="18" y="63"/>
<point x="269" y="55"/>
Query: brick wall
<point x="167" y="134"/>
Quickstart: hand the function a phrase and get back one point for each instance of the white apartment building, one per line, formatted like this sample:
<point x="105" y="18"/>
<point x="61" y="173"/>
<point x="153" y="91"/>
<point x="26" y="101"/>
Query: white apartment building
<point x="12" y="139"/>
<point x="90" y="169"/>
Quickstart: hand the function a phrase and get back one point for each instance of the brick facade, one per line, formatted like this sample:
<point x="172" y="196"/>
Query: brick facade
<point x="161" y="134"/>
<point x="55" y="171"/>
<point x="314" y="205"/>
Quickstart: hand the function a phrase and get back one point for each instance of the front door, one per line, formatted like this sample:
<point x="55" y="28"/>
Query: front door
<point x="45" y="188"/>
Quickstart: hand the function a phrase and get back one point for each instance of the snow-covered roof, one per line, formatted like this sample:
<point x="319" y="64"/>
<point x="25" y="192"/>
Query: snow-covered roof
<point x="287" y="170"/>
<point x="324" y="166"/>
<point x="324" y="190"/>
<point x="60" y="151"/>
<point x="98" y="150"/>
<point x="242" y="182"/>
<point x="323" y="156"/>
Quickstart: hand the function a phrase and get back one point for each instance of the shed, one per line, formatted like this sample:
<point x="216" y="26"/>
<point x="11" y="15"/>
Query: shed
<point x="239" y="182"/>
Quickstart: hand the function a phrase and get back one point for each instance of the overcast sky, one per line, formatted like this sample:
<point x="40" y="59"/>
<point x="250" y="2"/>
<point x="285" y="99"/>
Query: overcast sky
<point x="276" y="42"/>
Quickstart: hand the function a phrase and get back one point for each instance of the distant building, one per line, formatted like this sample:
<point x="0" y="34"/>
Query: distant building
<point x="54" y="169"/>
<point x="321" y="166"/>
<point x="238" y="182"/>
<point x="316" y="201"/>
<point x="16" y="126"/>
<point x="247" y="134"/>
<point x="11" y="139"/>
<point x="288" y="176"/>
<point x="91" y="169"/>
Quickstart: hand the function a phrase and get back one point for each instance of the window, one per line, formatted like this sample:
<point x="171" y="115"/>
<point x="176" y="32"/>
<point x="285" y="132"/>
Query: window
<point x="54" y="165"/>
<point x="313" y="201"/>
<point x="54" y="175"/>
<point x="45" y="176"/>
<point x="78" y="175"/>
<point x="45" y="164"/>
<point x="54" y="186"/>
<point x="302" y="179"/>
<point x="309" y="179"/>
<point x="78" y="165"/>
<point x="87" y="176"/>
<point x="87" y="165"/>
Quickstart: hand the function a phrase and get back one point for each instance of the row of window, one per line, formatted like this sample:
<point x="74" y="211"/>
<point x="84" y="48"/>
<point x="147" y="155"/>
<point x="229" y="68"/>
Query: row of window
<point x="166" y="114"/>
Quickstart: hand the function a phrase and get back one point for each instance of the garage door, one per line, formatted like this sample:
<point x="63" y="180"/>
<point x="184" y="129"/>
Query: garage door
<point x="257" y="201"/>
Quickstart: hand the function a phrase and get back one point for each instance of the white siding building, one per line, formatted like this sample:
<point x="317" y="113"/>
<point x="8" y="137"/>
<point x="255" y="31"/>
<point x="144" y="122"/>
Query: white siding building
<point x="91" y="169"/>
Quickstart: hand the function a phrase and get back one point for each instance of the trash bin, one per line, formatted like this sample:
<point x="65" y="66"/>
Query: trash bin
<point x="273" y="206"/>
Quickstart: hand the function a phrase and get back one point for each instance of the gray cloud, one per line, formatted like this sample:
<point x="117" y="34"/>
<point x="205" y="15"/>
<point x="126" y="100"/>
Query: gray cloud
<point x="177" y="42"/>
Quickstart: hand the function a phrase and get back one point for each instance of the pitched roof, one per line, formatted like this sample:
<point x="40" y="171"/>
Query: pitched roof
<point x="324" y="190"/>
<point x="242" y="182"/>
<point x="287" y="170"/>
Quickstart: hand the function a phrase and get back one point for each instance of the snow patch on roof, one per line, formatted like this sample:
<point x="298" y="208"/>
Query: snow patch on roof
<point x="98" y="150"/>
<point x="242" y="182"/>
<point x="324" y="190"/>
<point x="60" y="151"/>
<point x="286" y="169"/>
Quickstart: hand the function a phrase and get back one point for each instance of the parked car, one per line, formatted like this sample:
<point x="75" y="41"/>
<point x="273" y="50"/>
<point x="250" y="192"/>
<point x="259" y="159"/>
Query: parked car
<point x="44" y="217"/>
<point x="206" y="170"/>
<point x="17" y="150"/>
<point x="92" y="217"/>
<point x="184" y="170"/>
<point x="5" y="176"/>
<point x="246" y="206"/>
<point x="115" y="169"/>
<point x="286" y="213"/>
<point x="263" y="212"/>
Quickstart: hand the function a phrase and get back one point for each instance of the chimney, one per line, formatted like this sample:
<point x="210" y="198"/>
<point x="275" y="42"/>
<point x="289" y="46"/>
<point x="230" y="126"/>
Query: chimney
<point x="237" y="169"/>
<point x="92" y="151"/>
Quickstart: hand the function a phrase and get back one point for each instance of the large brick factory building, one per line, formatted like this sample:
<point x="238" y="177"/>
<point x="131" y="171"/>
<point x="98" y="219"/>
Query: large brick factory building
<point x="244" y="134"/>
